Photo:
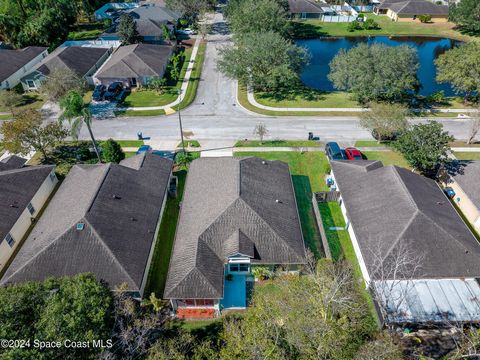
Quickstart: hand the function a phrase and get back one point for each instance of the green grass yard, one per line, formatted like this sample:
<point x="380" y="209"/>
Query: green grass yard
<point x="29" y="100"/>
<point x="132" y="113"/>
<point x="189" y="143"/>
<point x="278" y="143"/>
<point x="315" y="28"/>
<point x="191" y="92"/>
<point x="387" y="157"/>
<point x="163" y="249"/>
<point x="467" y="155"/>
<point x="307" y="171"/>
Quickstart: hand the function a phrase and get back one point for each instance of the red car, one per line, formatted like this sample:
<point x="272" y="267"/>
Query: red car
<point x="353" y="154"/>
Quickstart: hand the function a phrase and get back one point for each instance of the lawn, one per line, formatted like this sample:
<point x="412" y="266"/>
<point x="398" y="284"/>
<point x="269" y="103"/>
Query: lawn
<point x="278" y="143"/>
<point x="189" y="143"/>
<point x="243" y="101"/>
<point x="307" y="171"/>
<point x="315" y="28"/>
<point x="5" y="117"/>
<point x="130" y="154"/>
<point x="387" y="157"/>
<point x="130" y="143"/>
<point x="370" y="143"/>
<point x="467" y="155"/>
<point x="463" y="144"/>
<point x="341" y="245"/>
<point x="304" y="97"/>
<point x="195" y="78"/>
<point x="127" y="113"/>
<point x="29" y="100"/>
<point x="163" y="249"/>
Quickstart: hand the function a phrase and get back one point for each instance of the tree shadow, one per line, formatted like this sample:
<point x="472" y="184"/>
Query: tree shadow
<point x="296" y="92"/>
<point x="304" y="30"/>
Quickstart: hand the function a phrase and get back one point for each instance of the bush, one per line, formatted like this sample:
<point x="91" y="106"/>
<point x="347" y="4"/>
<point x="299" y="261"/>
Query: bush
<point x="425" y="18"/>
<point x="370" y="24"/>
<point x="354" y="25"/>
<point x="112" y="151"/>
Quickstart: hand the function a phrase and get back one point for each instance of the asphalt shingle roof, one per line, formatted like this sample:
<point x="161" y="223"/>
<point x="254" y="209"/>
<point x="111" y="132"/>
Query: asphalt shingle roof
<point x="415" y="7"/>
<point x="137" y="60"/>
<point x="151" y="18"/>
<point x="119" y="206"/>
<point x="80" y="59"/>
<point x="467" y="175"/>
<point x="305" y="6"/>
<point x="12" y="60"/>
<point x="12" y="162"/>
<point x="17" y="188"/>
<point x="392" y="208"/>
<point x="230" y="206"/>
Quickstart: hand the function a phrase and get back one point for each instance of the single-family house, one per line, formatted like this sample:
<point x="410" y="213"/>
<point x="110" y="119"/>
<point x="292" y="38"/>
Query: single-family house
<point x="463" y="177"/>
<point x="410" y="10"/>
<point x="83" y="60"/>
<point x="135" y="65"/>
<point x="16" y="63"/>
<point x="415" y="252"/>
<point x="104" y="219"/>
<point x="114" y="10"/>
<point x="151" y="21"/>
<point x="236" y="214"/>
<point x="308" y="9"/>
<point x="23" y="193"/>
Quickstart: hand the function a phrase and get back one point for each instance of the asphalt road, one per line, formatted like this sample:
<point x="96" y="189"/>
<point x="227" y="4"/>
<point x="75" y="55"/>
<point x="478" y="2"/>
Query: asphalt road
<point x="215" y="114"/>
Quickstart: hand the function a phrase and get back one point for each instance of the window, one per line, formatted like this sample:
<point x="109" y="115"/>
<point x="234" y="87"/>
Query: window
<point x="239" y="267"/>
<point x="31" y="84"/>
<point x="31" y="209"/>
<point x="9" y="239"/>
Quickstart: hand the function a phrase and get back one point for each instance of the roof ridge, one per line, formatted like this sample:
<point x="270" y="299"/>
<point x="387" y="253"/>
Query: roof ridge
<point x="108" y="167"/>
<point x="25" y="169"/>
<point x="403" y="186"/>
<point x="142" y="60"/>
<point x="268" y="225"/>
<point x="109" y="251"/>
<point x="397" y="240"/>
<point x="36" y="255"/>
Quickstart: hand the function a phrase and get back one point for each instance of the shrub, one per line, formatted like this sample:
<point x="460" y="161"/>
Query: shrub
<point x="354" y="25"/>
<point x="370" y="24"/>
<point x="425" y="18"/>
<point x="112" y="151"/>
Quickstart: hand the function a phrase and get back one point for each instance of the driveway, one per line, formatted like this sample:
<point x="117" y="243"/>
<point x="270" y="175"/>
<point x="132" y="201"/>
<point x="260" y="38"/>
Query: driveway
<point x="216" y="116"/>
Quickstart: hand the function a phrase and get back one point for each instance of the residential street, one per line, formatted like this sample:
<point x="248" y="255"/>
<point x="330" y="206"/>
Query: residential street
<point x="215" y="114"/>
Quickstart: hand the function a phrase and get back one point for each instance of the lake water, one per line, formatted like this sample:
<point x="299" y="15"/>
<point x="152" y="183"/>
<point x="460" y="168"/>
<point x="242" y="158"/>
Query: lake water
<point x="323" y="50"/>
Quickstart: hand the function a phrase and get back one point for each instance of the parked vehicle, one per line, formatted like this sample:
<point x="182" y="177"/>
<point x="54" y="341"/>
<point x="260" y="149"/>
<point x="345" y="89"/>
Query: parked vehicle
<point x="186" y="31"/>
<point x="165" y="154"/>
<point x="113" y="90"/>
<point x="144" y="148"/>
<point x="99" y="92"/>
<point x="449" y="192"/>
<point x="334" y="152"/>
<point x="353" y="154"/>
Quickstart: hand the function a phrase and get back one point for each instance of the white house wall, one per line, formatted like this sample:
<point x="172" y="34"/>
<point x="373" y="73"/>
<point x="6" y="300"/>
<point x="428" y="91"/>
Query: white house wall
<point x="15" y="78"/>
<point x="24" y="222"/>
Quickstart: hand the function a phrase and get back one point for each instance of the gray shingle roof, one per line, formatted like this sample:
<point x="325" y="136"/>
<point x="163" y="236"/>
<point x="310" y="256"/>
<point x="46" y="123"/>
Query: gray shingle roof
<point x="467" y="175"/>
<point x="415" y="7"/>
<point x="12" y="60"/>
<point x="119" y="207"/>
<point x="305" y="6"/>
<point x="230" y="207"/>
<point x="392" y="208"/>
<point x="17" y="188"/>
<point x="138" y="60"/>
<point x="12" y="162"/>
<point x="151" y="18"/>
<point x="80" y="59"/>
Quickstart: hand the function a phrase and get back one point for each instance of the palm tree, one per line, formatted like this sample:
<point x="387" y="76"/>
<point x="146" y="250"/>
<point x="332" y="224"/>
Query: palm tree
<point x="76" y="112"/>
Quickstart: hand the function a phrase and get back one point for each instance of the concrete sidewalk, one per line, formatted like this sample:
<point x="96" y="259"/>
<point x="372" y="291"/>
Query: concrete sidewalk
<point x="185" y="83"/>
<point x="254" y="102"/>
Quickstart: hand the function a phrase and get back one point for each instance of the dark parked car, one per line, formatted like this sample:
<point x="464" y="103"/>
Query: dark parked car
<point x="99" y="92"/>
<point x="353" y="153"/>
<point x="114" y="89"/>
<point x="334" y="152"/>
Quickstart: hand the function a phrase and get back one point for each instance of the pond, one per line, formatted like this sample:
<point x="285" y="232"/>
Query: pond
<point x="323" y="50"/>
